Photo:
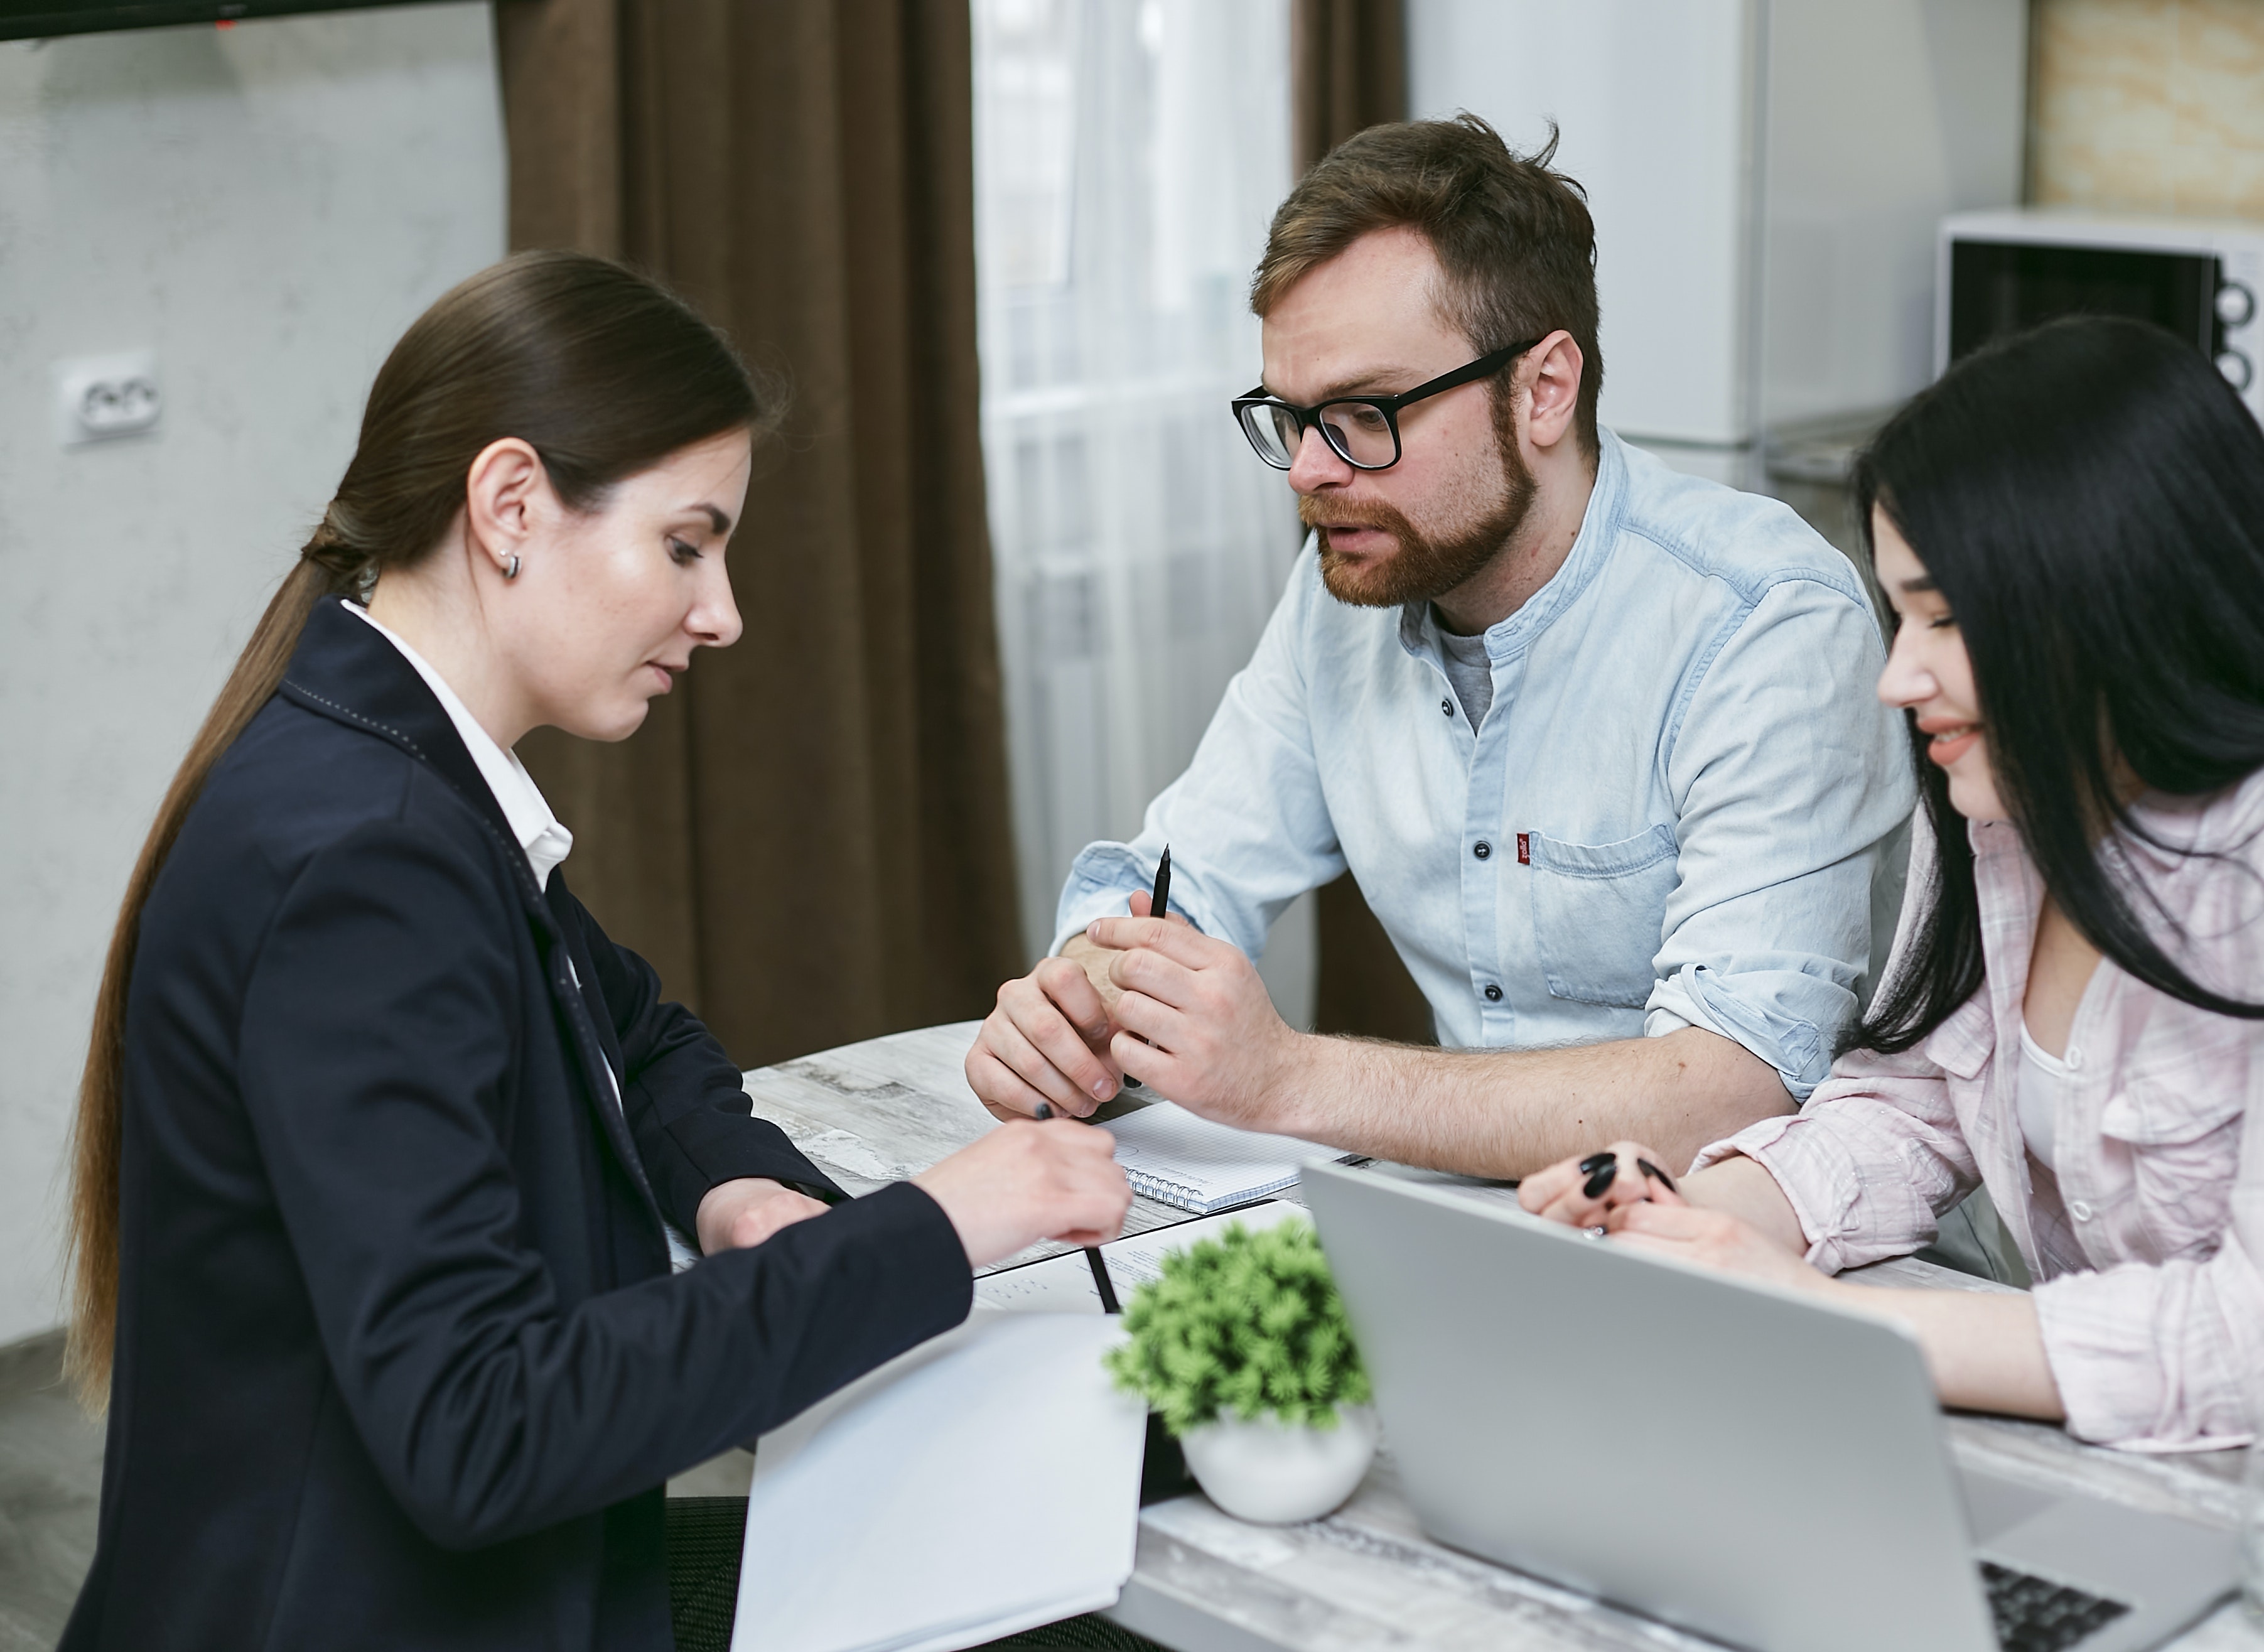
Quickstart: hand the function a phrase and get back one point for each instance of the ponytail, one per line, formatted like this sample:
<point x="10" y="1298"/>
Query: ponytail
<point x="90" y="1248"/>
<point x="604" y="374"/>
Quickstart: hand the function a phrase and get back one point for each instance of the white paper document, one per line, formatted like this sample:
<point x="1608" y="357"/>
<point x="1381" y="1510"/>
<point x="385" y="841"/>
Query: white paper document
<point x="1178" y="1158"/>
<point x="1063" y="1284"/>
<point x="984" y="1482"/>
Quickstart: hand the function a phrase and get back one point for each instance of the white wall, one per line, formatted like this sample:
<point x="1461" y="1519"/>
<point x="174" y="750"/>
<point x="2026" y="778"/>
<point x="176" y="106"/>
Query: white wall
<point x="1765" y="176"/>
<point x="267" y="207"/>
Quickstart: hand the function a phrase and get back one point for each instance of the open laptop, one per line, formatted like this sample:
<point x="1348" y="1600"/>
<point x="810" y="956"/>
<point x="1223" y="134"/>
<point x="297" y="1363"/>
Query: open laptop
<point x="1758" y="1466"/>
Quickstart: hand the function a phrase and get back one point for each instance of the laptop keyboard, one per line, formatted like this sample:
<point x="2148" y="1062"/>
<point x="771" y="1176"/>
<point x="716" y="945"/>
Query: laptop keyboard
<point x="2033" y="1615"/>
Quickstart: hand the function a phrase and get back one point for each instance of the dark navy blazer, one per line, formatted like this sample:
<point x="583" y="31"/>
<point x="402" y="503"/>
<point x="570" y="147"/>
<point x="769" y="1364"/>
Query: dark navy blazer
<point x="400" y="1362"/>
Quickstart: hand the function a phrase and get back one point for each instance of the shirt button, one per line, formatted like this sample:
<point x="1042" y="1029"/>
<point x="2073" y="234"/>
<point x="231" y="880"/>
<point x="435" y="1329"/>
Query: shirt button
<point x="1482" y="849"/>
<point x="2079" y="1211"/>
<point x="1493" y="994"/>
<point x="1447" y="706"/>
<point x="2073" y="1058"/>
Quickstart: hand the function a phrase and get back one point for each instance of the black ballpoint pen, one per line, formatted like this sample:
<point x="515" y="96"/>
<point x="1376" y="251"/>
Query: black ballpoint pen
<point x="1100" y="1280"/>
<point x="1159" y="903"/>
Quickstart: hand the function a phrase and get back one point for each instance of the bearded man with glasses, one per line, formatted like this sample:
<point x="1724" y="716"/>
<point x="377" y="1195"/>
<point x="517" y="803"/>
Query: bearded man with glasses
<point x="1598" y="740"/>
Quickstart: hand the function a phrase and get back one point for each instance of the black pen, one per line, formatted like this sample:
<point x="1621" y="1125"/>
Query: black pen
<point x="1159" y="902"/>
<point x="1100" y="1281"/>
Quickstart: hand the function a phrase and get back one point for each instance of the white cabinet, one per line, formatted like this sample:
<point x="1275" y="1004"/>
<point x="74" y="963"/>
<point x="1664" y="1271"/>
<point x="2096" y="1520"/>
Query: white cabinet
<point x="1765" y="176"/>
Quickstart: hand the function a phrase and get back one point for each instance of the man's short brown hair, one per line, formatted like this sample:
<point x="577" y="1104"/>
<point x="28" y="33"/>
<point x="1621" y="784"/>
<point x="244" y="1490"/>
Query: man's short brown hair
<point x="1515" y="246"/>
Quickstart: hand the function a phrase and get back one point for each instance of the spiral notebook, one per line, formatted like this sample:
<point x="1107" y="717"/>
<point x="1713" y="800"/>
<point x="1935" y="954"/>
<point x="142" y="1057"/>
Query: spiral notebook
<point x="1175" y="1158"/>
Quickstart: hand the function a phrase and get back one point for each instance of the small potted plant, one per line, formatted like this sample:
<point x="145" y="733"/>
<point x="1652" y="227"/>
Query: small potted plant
<point x="1243" y="1347"/>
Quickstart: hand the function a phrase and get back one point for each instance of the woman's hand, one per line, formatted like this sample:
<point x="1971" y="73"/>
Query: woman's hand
<point x="1711" y="1239"/>
<point x="1589" y="1192"/>
<point x="740" y="1214"/>
<point x="1623" y="1193"/>
<point x="1028" y="1181"/>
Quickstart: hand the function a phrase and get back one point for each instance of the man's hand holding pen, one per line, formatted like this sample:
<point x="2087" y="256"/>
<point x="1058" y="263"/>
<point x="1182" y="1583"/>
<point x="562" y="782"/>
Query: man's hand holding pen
<point x="1195" y="1022"/>
<point x="1057" y="1035"/>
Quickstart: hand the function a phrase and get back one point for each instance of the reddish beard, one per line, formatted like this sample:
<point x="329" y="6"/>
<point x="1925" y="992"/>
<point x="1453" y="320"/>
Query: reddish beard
<point x="1419" y="568"/>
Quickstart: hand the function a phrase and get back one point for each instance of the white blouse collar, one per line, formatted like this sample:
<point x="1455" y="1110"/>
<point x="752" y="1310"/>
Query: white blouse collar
<point x="545" y="842"/>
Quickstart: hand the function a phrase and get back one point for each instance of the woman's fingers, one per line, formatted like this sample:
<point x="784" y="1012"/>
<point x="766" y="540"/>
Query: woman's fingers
<point x="1539" y="1191"/>
<point x="1676" y="1222"/>
<point x="1712" y="1239"/>
<point x="1658" y="1186"/>
<point x="1584" y="1192"/>
<point x="1027" y="1182"/>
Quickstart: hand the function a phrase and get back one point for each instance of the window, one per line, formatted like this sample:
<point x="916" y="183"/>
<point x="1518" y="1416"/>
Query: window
<point x="1128" y="155"/>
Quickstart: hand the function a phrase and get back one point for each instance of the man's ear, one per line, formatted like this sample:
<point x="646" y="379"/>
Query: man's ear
<point x="1553" y="404"/>
<point x="505" y="494"/>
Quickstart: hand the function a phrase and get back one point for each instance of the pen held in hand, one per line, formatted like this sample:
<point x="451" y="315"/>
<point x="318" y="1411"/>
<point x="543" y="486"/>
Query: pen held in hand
<point x="1159" y="903"/>
<point x="1100" y="1280"/>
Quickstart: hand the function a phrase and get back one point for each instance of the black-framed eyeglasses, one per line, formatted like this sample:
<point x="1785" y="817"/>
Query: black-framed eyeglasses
<point x="1362" y="430"/>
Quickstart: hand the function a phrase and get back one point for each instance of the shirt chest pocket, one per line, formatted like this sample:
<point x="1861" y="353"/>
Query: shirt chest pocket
<point x="1598" y="912"/>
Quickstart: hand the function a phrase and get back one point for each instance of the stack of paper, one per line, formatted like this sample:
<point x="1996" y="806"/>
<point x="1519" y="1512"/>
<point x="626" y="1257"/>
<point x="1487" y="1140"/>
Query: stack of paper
<point x="1177" y="1158"/>
<point x="985" y="1483"/>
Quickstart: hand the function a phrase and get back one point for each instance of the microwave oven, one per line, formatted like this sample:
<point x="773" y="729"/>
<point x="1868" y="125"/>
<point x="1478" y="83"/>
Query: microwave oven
<point x="2001" y="272"/>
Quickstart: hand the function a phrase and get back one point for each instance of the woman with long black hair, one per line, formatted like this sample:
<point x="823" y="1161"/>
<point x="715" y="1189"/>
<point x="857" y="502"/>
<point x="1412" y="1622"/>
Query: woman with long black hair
<point x="381" y="1137"/>
<point x="2070" y="529"/>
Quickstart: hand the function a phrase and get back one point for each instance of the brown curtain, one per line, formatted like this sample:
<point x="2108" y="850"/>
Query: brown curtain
<point x="1347" y="70"/>
<point x="809" y="839"/>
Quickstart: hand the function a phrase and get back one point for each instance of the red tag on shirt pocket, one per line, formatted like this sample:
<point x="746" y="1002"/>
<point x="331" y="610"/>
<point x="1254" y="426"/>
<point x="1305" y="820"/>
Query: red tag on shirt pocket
<point x="1524" y="848"/>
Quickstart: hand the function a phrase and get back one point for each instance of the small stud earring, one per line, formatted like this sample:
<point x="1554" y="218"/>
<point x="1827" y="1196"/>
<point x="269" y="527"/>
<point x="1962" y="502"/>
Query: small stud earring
<point x="511" y="572"/>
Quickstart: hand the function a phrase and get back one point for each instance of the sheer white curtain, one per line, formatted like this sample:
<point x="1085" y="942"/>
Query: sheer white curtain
<point x="1129" y="154"/>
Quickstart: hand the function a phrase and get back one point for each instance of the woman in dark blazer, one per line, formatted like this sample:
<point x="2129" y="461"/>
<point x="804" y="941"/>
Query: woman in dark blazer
<point x="380" y="1135"/>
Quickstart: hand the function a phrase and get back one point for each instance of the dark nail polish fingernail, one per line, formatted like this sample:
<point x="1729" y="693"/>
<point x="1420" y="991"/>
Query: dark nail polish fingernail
<point x="1596" y="1162"/>
<point x="1650" y="1169"/>
<point x="1601" y="1181"/>
<point x="1042" y="1111"/>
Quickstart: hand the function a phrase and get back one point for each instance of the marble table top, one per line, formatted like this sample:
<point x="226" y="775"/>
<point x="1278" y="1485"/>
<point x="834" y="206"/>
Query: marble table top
<point x="1366" y="1577"/>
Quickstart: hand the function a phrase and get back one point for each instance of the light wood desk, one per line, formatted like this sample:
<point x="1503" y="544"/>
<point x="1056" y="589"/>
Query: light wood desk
<point x="1365" y="1577"/>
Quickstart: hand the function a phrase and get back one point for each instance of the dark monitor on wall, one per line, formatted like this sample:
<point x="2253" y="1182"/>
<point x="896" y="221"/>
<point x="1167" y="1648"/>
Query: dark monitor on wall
<point x="44" y="19"/>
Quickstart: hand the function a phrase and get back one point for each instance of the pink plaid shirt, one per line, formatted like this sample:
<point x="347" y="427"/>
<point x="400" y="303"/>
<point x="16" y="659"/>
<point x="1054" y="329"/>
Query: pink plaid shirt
<point x="2148" y="1246"/>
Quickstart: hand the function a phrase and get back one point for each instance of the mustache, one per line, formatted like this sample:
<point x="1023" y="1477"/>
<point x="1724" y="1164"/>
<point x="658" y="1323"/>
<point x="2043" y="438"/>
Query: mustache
<point x="1315" y="512"/>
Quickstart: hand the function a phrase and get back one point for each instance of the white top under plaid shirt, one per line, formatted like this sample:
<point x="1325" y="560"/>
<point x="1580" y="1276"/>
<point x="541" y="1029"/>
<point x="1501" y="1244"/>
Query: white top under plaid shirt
<point x="2148" y="1244"/>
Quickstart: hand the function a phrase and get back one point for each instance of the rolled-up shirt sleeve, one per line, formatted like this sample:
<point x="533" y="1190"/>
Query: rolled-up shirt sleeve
<point x="1869" y="1164"/>
<point x="2161" y="1357"/>
<point x="1253" y="829"/>
<point x="2160" y="1350"/>
<point x="1792" y="782"/>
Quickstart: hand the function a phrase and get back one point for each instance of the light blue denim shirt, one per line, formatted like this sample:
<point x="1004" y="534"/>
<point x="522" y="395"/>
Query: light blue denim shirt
<point x="1671" y="815"/>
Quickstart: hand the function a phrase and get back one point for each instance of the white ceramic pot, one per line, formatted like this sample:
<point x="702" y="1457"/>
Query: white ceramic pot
<point x="1267" y="1471"/>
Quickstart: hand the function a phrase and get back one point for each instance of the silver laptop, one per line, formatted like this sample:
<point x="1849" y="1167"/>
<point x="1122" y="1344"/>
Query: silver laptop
<point x="1752" y="1464"/>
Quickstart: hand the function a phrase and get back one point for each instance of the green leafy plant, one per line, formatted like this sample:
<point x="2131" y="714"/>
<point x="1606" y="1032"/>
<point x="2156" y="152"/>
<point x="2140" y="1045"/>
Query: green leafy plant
<point x="1249" y="1322"/>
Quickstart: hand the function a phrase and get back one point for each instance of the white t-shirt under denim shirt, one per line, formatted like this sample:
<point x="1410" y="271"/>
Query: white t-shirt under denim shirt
<point x="1670" y="816"/>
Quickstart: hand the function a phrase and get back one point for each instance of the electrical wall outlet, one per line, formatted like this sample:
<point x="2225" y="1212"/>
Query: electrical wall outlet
<point x="100" y="398"/>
